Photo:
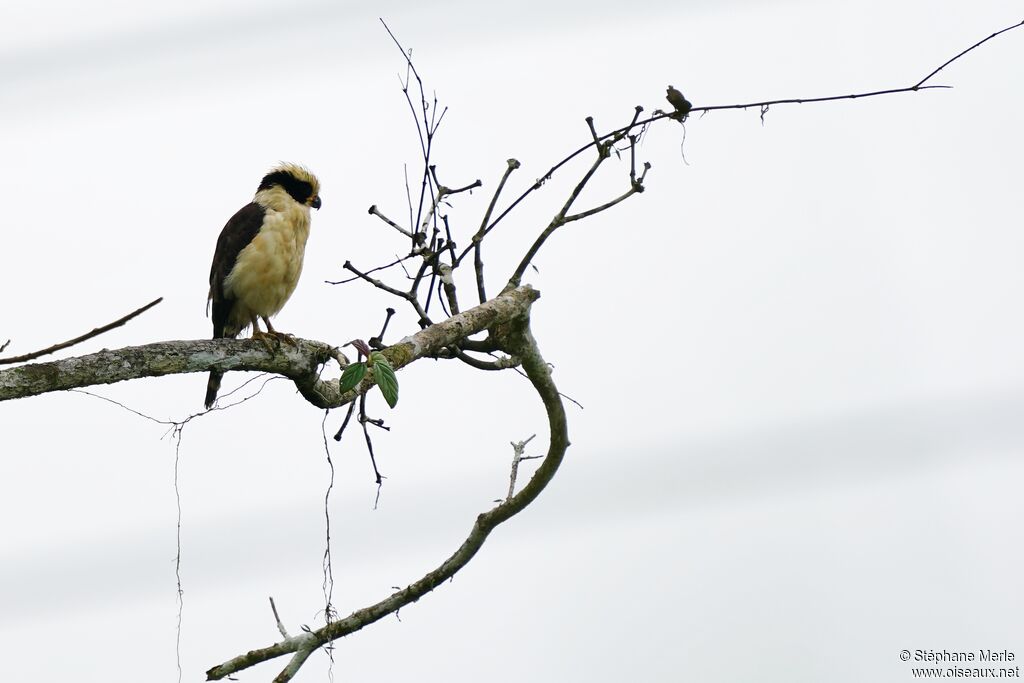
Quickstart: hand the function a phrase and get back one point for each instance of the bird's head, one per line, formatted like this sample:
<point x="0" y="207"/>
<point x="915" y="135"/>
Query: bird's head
<point x="300" y="184"/>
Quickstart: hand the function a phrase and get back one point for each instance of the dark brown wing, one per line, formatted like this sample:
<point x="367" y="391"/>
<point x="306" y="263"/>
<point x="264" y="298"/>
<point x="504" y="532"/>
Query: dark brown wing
<point x="238" y="232"/>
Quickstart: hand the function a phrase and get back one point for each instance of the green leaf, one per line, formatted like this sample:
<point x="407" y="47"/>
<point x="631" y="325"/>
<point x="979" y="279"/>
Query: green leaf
<point x="352" y="375"/>
<point x="386" y="379"/>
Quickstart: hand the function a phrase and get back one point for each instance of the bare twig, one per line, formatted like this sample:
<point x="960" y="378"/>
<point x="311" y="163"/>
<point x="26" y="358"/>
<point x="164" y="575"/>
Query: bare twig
<point x="448" y="284"/>
<point x="445" y="191"/>
<point x="88" y="335"/>
<point x="559" y="218"/>
<point x="374" y="211"/>
<point x="807" y="100"/>
<point x="344" y="423"/>
<point x="977" y="44"/>
<point x="408" y="296"/>
<point x="450" y="243"/>
<point x="369" y="442"/>
<point x="416" y="241"/>
<point x="636" y="187"/>
<point x="377" y="342"/>
<point x="614" y="136"/>
<point x="426" y="131"/>
<point x="518" y="448"/>
<point x="503" y="363"/>
<point x="431" y="263"/>
<point x="277" y="618"/>
<point x="371" y="270"/>
<point x="478" y="263"/>
<point x="413" y="297"/>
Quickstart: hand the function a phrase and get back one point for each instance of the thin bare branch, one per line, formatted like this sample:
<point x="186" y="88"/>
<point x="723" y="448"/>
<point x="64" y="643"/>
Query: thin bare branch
<point x="444" y="190"/>
<point x="807" y="100"/>
<point x="369" y="442"/>
<point x="377" y="341"/>
<point x="518" y="448"/>
<point x="409" y="296"/>
<point x="502" y="363"/>
<point x="408" y="199"/>
<point x="636" y="187"/>
<point x="558" y="220"/>
<point x="448" y="285"/>
<point x="413" y="296"/>
<point x="478" y="263"/>
<point x="371" y="270"/>
<point x="374" y="211"/>
<point x="425" y="128"/>
<point x="344" y="423"/>
<point x="277" y="618"/>
<point x="77" y="340"/>
<point x="977" y="44"/>
<point x="593" y="131"/>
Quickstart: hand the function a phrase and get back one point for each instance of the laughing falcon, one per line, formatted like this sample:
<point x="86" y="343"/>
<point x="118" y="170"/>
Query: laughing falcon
<point x="258" y="258"/>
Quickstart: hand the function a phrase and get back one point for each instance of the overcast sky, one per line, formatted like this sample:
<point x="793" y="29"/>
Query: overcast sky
<point x="799" y="352"/>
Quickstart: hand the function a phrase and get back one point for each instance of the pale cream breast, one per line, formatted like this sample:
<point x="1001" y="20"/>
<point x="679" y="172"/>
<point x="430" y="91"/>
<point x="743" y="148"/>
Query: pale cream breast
<point x="268" y="268"/>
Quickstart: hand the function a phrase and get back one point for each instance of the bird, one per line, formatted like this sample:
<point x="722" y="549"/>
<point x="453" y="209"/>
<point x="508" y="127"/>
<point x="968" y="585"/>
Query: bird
<point x="681" y="105"/>
<point x="258" y="258"/>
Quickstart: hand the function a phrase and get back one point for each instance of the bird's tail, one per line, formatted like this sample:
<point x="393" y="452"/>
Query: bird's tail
<point x="212" y="387"/>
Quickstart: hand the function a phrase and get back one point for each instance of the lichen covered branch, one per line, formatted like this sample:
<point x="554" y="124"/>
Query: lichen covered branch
<point x="299" y="362"/>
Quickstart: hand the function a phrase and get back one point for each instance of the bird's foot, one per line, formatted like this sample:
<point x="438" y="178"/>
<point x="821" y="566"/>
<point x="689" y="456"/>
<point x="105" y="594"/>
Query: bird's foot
<point x="270" y="340"/>
<point x="288" y="339"/>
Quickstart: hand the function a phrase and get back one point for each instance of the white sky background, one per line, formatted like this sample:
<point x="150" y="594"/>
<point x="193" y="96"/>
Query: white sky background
<point x="800" y="353"/>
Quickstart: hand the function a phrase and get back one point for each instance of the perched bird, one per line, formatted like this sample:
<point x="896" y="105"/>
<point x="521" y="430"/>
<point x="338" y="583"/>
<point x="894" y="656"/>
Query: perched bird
<point x="258" y="258"/>
<point x="679" y="103"/>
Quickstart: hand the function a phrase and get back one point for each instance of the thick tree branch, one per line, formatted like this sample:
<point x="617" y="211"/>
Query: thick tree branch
<point x="299" y="363"/>
<point x="161" y="358"/>
<point x="516" y="339"/>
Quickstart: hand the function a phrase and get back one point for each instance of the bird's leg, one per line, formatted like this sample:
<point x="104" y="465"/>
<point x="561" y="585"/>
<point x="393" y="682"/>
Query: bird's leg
<point x="262" y="336"/>
<point x="279" y="336"/>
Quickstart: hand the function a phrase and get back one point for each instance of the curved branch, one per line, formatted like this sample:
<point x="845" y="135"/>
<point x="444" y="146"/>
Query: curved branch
<point x="502" y="363"/>
<point x="299" y="363"/>
<point x="515" y="339"/>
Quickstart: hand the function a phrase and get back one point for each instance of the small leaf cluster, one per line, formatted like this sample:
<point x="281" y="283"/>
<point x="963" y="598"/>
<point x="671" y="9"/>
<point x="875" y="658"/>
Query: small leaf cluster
<point x="381" y="371"/>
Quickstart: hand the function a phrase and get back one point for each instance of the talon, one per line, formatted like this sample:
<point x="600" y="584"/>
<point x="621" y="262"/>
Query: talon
<point x="287" y="339"/>
<point x="267" y="339"/>
<point x="280" y="336"/>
